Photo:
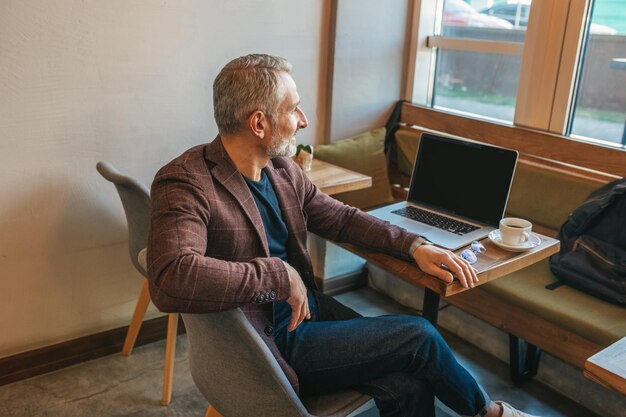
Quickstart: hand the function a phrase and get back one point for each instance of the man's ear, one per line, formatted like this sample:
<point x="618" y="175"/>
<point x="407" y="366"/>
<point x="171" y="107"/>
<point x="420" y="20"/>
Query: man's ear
<point x="258" y="124"/>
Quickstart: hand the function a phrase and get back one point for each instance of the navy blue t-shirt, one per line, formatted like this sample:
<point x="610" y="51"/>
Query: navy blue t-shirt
<point x="269" y="209"/>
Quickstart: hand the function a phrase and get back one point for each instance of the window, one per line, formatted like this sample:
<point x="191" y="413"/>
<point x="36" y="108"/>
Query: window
<point x="600" y="102"/>
<point x="516" y="14"/>
<point x="482" y="84"/>
<point x="458" y="15"/>
<point x="478" y="57"/>
<point x="557" y="66"/>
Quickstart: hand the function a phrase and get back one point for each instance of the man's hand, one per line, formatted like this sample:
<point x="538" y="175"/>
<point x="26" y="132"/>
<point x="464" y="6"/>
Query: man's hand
<point x="297" y="299"/>
<point x="443" y="264"/>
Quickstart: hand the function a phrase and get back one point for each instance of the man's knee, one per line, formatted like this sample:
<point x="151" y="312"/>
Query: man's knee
<point x="420" y="325"/>
<point x="423" y="331"/>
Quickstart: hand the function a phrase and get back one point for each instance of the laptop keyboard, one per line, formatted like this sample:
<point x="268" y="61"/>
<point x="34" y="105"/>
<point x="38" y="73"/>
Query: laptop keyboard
<point x="436" y="220"/>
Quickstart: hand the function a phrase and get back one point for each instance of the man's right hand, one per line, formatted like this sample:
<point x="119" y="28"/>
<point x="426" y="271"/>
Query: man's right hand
<point x="297" y="299"/>
<point x="433" y="260"/>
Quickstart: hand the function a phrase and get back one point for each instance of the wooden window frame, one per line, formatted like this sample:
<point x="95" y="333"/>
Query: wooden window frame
<point x="542" y="147"/>
<point x="554" y="37"/>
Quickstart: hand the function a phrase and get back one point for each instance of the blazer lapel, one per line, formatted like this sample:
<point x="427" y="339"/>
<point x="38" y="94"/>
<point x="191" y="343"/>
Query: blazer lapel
<point x="226" y="174"/>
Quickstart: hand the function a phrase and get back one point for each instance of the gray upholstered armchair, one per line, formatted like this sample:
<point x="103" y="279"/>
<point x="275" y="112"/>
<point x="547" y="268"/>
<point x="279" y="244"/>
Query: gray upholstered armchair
<point x="136" y="201"/>
<point x="239" y="376"/>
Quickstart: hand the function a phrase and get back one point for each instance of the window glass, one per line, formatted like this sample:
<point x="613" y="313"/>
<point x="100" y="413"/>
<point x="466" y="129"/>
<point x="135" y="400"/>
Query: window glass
<point x="599" y="109"/>
<point x="516" y="14"/>
<point x="477" y="83"/>
<point x="484" y="19"/>
<point x="482" y="84"/>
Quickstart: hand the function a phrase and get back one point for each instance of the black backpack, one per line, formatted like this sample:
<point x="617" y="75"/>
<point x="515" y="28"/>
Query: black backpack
<point x="593" y="245"/>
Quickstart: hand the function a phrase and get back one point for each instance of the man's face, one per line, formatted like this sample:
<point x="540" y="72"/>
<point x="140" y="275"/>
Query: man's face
<point x="288" y="120"/>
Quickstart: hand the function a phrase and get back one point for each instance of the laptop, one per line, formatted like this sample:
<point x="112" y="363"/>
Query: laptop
<point x="458" y="192"/>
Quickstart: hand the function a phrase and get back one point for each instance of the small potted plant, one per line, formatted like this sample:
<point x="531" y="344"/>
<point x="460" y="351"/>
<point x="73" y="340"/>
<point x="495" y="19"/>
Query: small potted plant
<point x="304" y="156"/>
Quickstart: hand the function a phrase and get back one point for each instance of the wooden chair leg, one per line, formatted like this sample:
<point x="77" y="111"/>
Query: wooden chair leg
<point x="212" y="412"/>
<point x="170" y="352"/>
<point x="135" y="323"/>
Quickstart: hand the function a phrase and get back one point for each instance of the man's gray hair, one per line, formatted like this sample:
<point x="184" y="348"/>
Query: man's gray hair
<point x="245" y="85"/>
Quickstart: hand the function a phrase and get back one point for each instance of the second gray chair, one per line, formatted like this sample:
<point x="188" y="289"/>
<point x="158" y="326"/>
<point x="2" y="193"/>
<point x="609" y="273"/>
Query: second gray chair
<point x="136" y="201"/>
<point x="237" y="373"/>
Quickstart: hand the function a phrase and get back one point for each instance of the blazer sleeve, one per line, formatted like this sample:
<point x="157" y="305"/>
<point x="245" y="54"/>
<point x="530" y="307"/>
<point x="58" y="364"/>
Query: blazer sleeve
<point x="181" y="277"/>
<point x="331" y="219"/>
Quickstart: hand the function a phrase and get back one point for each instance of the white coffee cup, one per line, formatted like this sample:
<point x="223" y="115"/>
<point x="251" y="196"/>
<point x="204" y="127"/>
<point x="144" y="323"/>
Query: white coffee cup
<point x="515" y="231"/>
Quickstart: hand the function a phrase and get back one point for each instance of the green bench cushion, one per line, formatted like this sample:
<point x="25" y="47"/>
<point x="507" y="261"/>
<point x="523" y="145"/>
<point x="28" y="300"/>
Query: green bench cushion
<point x="601" y="322"/>
<point x="407" y="143"/>
<point x="364" y="153"/>
<point x="546" y="197"/>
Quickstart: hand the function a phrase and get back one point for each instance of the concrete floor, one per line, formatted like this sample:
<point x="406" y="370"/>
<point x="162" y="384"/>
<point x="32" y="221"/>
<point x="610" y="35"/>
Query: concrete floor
<point x="120" y="386"/>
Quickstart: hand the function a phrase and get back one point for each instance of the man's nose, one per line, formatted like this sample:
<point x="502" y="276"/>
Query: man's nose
<point x="303" y="122"/>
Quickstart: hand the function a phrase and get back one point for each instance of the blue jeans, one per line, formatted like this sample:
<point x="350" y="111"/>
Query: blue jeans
<point x="401" y="361"/>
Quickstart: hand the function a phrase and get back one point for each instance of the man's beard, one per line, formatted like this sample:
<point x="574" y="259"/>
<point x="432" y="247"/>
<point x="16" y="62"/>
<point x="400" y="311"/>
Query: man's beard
<point x="281" y="146"/>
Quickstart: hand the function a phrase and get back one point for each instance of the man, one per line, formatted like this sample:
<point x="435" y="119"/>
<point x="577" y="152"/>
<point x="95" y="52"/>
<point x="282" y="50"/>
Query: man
<point x="228" y="229"/>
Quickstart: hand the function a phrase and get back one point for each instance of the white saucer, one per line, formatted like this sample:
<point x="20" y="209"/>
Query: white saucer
<point x="533" y="242"/>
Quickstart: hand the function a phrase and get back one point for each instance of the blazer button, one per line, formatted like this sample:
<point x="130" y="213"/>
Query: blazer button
<point x="272" y="295"/>
<point x="269" y="330"/>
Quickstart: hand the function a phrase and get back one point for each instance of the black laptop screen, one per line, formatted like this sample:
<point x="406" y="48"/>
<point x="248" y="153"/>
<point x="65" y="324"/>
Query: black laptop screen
<point x="464" y="178"/>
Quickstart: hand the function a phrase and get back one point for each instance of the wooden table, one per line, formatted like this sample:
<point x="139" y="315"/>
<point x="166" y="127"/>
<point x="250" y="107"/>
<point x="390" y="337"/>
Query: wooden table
<point x="330" y="263"/>
<point x="608" y="367"/>
<point x="332" y="179"/>
<point x="491" y="265"/>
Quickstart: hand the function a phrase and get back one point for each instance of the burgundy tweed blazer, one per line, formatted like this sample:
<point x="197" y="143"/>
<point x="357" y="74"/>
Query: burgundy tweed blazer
<point x="207" y="249"/>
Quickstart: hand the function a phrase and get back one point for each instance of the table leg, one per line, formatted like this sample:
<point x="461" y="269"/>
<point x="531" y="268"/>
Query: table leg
<point x="430" y="309"/>
<point x="523" y="364"/>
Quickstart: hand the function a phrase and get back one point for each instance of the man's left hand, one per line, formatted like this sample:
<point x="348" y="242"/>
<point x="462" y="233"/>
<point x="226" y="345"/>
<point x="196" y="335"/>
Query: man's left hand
<point x="445" y="265"/>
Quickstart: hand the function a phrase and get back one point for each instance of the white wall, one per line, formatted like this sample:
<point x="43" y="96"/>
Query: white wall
<point x="123" y="81"/>
<point x="370" y="50"/>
